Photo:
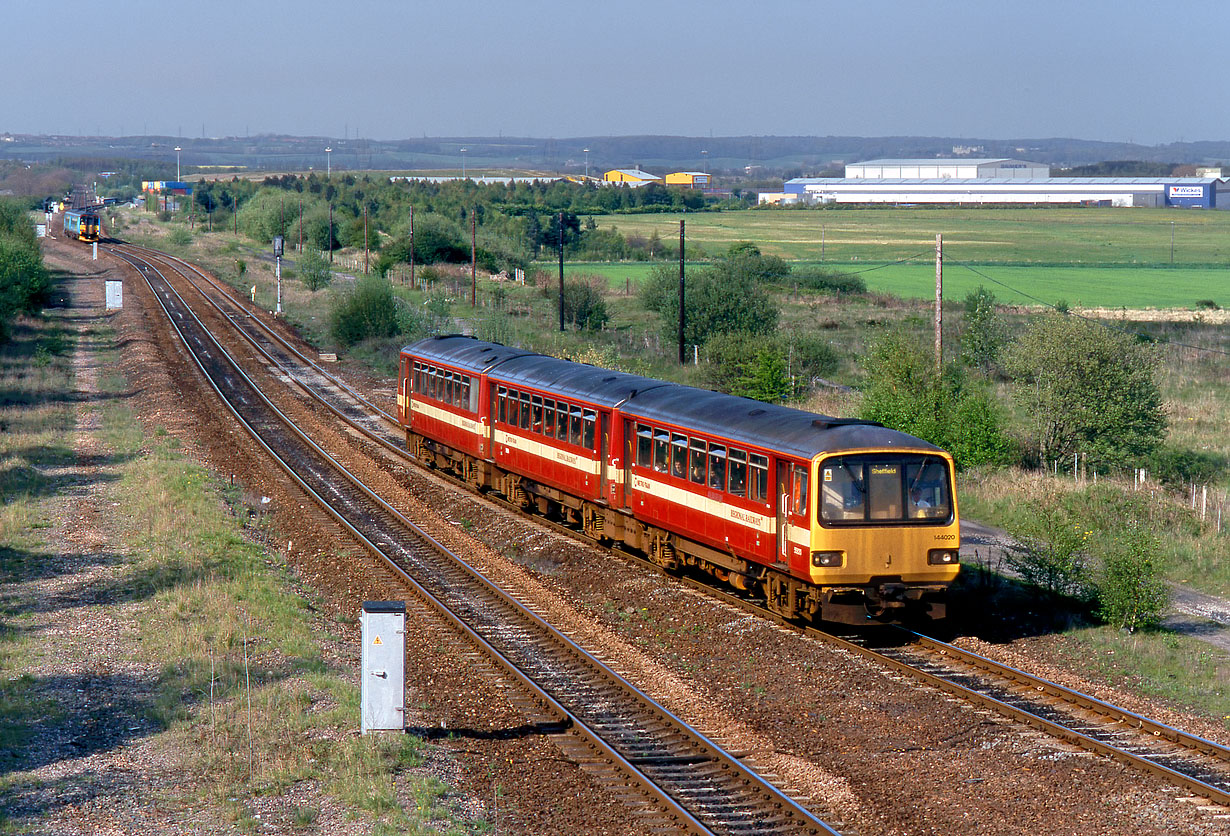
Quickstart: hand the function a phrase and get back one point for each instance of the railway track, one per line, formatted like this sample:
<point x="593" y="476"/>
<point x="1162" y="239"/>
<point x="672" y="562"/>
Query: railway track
<point x="681" y="780"/>
<point x="1200" y="766"/>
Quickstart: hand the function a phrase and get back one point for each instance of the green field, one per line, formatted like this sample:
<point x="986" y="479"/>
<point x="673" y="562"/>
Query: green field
<point x="1087" y="257"/>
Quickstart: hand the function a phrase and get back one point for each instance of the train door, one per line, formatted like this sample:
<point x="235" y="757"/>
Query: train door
<point x="403" y="394"/>
<point x="782" y="493"/>
<point x="604" y="450"/>
<point x="487" y="412"/>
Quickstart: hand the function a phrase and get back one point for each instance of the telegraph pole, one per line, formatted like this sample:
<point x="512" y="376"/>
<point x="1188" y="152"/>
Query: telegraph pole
<point x="939" y="293"/>
<point x="412" y="246"/>
<point x="682" y="316"/>
<point x="473" y="259"/>
<point x="561" y="272"/>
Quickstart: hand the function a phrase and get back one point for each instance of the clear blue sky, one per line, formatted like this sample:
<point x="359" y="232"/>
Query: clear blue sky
<point x="1146" y="72"/>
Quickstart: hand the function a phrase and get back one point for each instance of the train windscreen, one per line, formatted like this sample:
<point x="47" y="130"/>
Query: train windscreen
<point x="884" y="488"/>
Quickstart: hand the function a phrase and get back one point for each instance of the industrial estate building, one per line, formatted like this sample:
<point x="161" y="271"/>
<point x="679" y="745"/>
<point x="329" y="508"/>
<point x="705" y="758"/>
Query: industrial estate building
<point x="996" y="181"/>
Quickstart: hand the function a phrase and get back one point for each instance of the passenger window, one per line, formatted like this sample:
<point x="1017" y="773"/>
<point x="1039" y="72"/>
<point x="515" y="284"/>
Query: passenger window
<point x="514" y="408"/>
<point x="587" y="438"/>
<point x="758" y="471"/>
<point x="717" y="467"/>
<point x="448" y="388"/>
<point x="561" y="427"/>
<point x="679" y="456"/>
<point x="798" y="492"/>
<point x="697" y="471"/>
<point x="502" y="398"/>
<point x="548" y="417"/>
<point x="644" y="445"/>
<point x="738" y="473"/>
<point x="574" y="426"/>
<point x="536" y="424"/>
<point x="661" y="450"/>
<point x="525" y="410"/>
<point x="432" y="384"/>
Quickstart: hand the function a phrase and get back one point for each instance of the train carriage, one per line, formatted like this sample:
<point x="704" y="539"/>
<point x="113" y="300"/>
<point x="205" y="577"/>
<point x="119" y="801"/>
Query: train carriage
<point x="827" y="518"/>
<point x="82" y="224"/>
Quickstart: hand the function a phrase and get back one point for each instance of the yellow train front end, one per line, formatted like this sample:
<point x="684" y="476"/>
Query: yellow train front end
<point x="884" y="535"/>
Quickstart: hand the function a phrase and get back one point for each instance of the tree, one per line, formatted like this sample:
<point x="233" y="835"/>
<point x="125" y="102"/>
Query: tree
<point x="985" y="334"/>
<point x="314" y="270"/>
<point x="1087" y="389"/>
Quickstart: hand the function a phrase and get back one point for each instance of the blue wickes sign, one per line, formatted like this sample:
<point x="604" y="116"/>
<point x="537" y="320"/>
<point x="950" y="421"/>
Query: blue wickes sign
<point x="1186" y="192"/>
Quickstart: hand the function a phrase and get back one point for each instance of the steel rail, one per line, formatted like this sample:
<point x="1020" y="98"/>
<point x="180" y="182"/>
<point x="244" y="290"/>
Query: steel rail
<point x="785" y="805"/>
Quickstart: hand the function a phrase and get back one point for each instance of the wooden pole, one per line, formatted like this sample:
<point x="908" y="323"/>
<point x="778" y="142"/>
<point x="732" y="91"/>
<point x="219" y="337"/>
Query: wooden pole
<point x="561" y="272"/>
<point x="682" y="315"/>
<point x="939" y="310"/>
<point x="412" y="246"/>
<point x="473" y="259"/>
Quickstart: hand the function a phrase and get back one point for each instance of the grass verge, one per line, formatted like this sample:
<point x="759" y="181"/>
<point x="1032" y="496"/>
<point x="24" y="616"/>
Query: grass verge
<point x="229" y="682"/>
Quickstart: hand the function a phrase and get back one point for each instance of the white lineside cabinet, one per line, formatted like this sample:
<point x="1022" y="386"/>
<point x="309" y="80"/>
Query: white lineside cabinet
<point x="383" y="660"/>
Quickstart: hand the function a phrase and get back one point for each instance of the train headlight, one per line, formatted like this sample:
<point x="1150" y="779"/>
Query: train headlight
<point x="827" y="560"/>
<point x="943" y="556"/>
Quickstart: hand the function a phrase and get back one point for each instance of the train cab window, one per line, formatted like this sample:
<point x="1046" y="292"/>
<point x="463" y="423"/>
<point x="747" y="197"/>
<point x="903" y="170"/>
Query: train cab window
<point x="758" y="478"/>
<point x="661" y="450"/>
<point x="679" y="456"/>
<point x="525" y="410"/>
<point x="798" y="491"/>
<point x="738" y="473"/>
<point x="644" y="445"/>
<point x="884" y="491"/>
<point x="844" y="497"/>
<point x="588" y="431"/>
<point x="927" y="490"/>
<point x="502" y="405"/>
<point x="717" y="467"/>
<point x="536" y="420"/>
<point x="548" y="417"/>
<point x="697" y="471"/>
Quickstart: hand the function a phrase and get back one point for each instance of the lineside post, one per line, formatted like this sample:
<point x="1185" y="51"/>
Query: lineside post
<point x="939" y="294"/>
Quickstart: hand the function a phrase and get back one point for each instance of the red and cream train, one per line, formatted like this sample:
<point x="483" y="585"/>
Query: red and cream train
<point x="826" y="518"/>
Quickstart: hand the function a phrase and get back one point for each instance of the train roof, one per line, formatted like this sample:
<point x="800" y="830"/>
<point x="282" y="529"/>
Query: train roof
<point x="751" y="422"/>
<point x="780" y="428"/>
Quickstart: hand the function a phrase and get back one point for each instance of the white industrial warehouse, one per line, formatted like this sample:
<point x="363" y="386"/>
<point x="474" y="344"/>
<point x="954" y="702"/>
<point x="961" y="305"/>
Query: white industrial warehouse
<point x="997" y="181"/>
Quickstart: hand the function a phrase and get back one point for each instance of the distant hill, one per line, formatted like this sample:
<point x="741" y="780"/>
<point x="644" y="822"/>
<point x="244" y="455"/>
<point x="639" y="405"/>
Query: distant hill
<point x="768" y="156"/>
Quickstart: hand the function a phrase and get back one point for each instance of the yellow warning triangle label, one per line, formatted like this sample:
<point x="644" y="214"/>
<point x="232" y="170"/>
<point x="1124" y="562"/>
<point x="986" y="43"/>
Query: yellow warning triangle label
<point x="377" y="640"/>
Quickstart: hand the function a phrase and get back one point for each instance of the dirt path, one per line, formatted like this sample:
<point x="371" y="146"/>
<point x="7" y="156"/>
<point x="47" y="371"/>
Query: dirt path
<point x="93" y="766"/>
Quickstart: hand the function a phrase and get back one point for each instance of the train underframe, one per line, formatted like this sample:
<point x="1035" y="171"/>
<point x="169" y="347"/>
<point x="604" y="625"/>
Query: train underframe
<point x="882" y="600"/>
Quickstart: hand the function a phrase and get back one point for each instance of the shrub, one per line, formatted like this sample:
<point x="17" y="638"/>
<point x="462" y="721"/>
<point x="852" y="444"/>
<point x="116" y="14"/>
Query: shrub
<point x="1050" y="550"/>
<point x="314" y="271"/>
<point x="368" y="310"/>
<point x="984" y="334"/>
<point x="179" y="237"/>
<point x="827" y="281"/>
<point x="1177" y="468"/>
<point x="1130" y="590"/>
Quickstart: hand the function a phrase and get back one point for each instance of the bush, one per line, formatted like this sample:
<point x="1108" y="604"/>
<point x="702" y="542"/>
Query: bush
<point x="1051" y="550"/>
<point x="1130" y="590"/>
<point x="770" y="368"/>
<point x="314" y="271"/>
<point x="368" y="310"/>
<point x="984" y="333"/>
<point x="179" y="237"/>
<point x="827" y="281"/>
<point x="1178" y="468"/>
<point x="904" y="392"/>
